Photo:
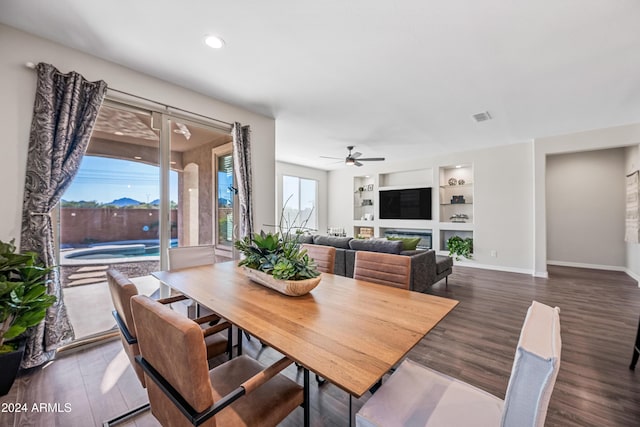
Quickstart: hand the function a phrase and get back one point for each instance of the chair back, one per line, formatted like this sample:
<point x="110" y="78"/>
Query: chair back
<point x="385" y="269"/>
<point x="324" y="256"/>
<point x="191" y="256"/>
<point x="122" y="289"/>
<point x="174" y="346"/>
<point x="535" y="368"/>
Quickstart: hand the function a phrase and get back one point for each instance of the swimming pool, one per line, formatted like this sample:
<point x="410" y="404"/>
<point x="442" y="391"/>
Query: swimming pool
<point x="120" y="250"/>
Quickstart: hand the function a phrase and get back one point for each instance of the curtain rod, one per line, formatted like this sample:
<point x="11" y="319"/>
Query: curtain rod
<point x="32" y="66"/>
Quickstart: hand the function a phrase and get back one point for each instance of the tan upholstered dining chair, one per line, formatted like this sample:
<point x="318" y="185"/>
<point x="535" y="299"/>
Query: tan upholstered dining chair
<point x="418" y="396"/>
<point x="182" y="391"/>
<point x="324" y="256"/>
<point x="384" y="269"/>
<point x="122" y="290"/>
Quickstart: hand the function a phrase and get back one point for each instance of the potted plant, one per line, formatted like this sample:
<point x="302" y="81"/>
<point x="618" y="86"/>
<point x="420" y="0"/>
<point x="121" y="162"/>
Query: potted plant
<point x="276" y="260"/>
<point x="460" y="247"/>
<point x="23" y="304"/>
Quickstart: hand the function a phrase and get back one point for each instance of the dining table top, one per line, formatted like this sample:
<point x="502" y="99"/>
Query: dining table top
<point x="351" y="332"/>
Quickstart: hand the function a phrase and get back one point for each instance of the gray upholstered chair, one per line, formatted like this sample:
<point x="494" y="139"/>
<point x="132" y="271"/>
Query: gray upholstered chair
<point x="191" y="256"/>
<point x="182" y="391"/>
<point x="417" y="396"/>
<point x="324" y="256"/>
<point x="385" y="269"/>
<point x="122" y="290"/>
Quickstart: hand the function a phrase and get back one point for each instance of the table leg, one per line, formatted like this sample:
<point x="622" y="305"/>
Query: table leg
<point x="306" y="402"/>
<point x="350" y="410"/>
<point x="239" y="342"/>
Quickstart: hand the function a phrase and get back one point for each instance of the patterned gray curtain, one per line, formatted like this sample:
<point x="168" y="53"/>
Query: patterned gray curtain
<point x="64" y="113"/>
<point x="242" y="169"/>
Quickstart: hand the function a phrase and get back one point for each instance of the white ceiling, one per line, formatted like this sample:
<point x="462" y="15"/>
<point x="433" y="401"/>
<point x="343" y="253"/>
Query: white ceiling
<point x="394" y="78"/>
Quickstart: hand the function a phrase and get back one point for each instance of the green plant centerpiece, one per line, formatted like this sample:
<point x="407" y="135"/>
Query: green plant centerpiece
<point x="23" y="294"/>
<point x="276" y="260"/>
<point x="277" y="254"/>
<point x="460" y="247"/>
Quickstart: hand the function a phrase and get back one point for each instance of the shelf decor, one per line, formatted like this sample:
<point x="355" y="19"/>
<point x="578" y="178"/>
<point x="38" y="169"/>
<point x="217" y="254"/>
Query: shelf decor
<point x="452" y="181"/>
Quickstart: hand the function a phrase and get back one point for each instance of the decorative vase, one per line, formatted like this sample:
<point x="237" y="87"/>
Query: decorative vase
<point x="292" y="288"/>
<point x="10" y="363"/>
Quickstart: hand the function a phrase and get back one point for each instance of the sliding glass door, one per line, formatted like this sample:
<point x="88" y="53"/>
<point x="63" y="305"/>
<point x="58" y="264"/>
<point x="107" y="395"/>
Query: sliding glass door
<point x="145" y="184"/>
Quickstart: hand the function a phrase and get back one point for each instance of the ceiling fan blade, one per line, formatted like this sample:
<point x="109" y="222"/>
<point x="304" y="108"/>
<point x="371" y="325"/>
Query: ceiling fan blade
<point x="333" y="158"/>
<point x="356" y="155"/>
<point x="357" y="163"/>
<point x="372" y="159"/>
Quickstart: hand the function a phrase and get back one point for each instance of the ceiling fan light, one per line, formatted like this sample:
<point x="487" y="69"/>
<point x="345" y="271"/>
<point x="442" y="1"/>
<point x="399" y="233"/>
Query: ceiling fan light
<point x="214" y="42"/>
<point x="350" y="162"/>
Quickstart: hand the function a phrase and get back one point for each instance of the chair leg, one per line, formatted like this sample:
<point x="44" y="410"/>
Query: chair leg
<point x="376" y="386"/>
<point x="121" y="418"/>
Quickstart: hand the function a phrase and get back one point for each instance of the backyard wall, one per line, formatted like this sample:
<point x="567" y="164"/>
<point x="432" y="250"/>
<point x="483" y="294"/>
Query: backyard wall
<point x="79" y="226"/>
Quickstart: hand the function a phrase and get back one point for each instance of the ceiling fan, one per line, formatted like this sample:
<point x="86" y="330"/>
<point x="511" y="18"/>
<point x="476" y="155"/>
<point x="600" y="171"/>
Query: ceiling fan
<point x="354" y="159"/>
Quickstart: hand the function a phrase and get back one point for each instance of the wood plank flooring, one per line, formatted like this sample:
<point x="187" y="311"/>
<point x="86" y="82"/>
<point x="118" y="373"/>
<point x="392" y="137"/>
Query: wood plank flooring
<point x="476" y="343"/>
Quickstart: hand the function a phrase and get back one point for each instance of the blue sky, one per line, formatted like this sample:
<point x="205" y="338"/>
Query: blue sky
<point x="104" y="180"/>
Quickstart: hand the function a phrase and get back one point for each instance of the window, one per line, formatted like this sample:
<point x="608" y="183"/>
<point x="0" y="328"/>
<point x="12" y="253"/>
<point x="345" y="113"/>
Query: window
<point x="299" y="200"/>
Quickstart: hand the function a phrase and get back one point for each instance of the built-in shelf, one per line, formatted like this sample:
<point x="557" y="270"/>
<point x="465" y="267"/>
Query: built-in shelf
<point x="456" y="200"/>
<point x="447" y="216"/>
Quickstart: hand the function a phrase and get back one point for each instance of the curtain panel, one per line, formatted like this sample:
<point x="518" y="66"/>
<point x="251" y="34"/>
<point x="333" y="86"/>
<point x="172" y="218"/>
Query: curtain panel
<point x="65" y="110"/>
<point x="242" y="169"/>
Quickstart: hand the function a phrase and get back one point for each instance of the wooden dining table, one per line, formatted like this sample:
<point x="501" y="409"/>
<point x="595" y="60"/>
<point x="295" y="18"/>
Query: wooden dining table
<point x="350" y="332"/>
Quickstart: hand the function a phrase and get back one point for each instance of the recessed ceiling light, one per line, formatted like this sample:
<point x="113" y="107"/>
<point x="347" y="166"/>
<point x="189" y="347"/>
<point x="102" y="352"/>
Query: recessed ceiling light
<point x="214" y="42"/>
<point x="458" y="166"/>
<point x="118" y="133"/>
<point x="137" y="157"/>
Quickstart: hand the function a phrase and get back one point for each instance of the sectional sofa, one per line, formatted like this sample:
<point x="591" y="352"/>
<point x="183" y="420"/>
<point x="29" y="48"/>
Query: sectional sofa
<point x="427" y="268"/>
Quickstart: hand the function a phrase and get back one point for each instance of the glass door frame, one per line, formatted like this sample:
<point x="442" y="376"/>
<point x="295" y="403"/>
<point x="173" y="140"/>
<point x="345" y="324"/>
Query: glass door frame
<point x="216" y="153"/>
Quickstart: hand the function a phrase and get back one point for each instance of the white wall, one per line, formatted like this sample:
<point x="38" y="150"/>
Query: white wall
<point x="632" y="163"/>
<point x="503" y="200"/>
<point x="321" y="176"/>
<point x="586" y="209"/>
<point x="620" y="136"/>
<point x="17" y="87"/>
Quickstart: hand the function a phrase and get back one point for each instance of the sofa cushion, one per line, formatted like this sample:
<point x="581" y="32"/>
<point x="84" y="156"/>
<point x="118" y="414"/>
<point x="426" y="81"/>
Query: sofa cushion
<point x="408" y="243"/>
<point x="305" y="238"/>
<point x="336" y="242"/>
<point x="384" y="246"/>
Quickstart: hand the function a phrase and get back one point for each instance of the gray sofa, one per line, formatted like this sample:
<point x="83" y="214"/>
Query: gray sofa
<point x="427" y="268"/>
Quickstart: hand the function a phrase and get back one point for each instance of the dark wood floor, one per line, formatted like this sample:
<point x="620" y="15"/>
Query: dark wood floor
<point x="476" y="343"/>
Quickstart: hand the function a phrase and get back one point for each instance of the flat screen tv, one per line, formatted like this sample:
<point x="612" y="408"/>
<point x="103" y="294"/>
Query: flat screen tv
<point x="408" y="203"/>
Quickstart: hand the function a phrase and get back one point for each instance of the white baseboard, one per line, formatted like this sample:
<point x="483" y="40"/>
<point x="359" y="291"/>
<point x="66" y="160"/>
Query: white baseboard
<point x="472" y="264"/>
<point x="629" y="273"/>
<point x="633" y="275"/>
<point x="585" y="265"/>
<point x="545" y="274"/>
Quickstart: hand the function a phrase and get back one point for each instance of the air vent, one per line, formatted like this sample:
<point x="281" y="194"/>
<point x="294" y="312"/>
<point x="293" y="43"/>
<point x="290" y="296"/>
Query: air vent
<point x="482" y="117"/>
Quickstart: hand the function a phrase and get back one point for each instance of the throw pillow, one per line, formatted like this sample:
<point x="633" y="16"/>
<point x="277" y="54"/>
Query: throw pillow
<point x="408" y="243"/>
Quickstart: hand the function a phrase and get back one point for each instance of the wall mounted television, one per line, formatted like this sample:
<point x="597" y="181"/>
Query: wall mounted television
<point x="408" y="203"/>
